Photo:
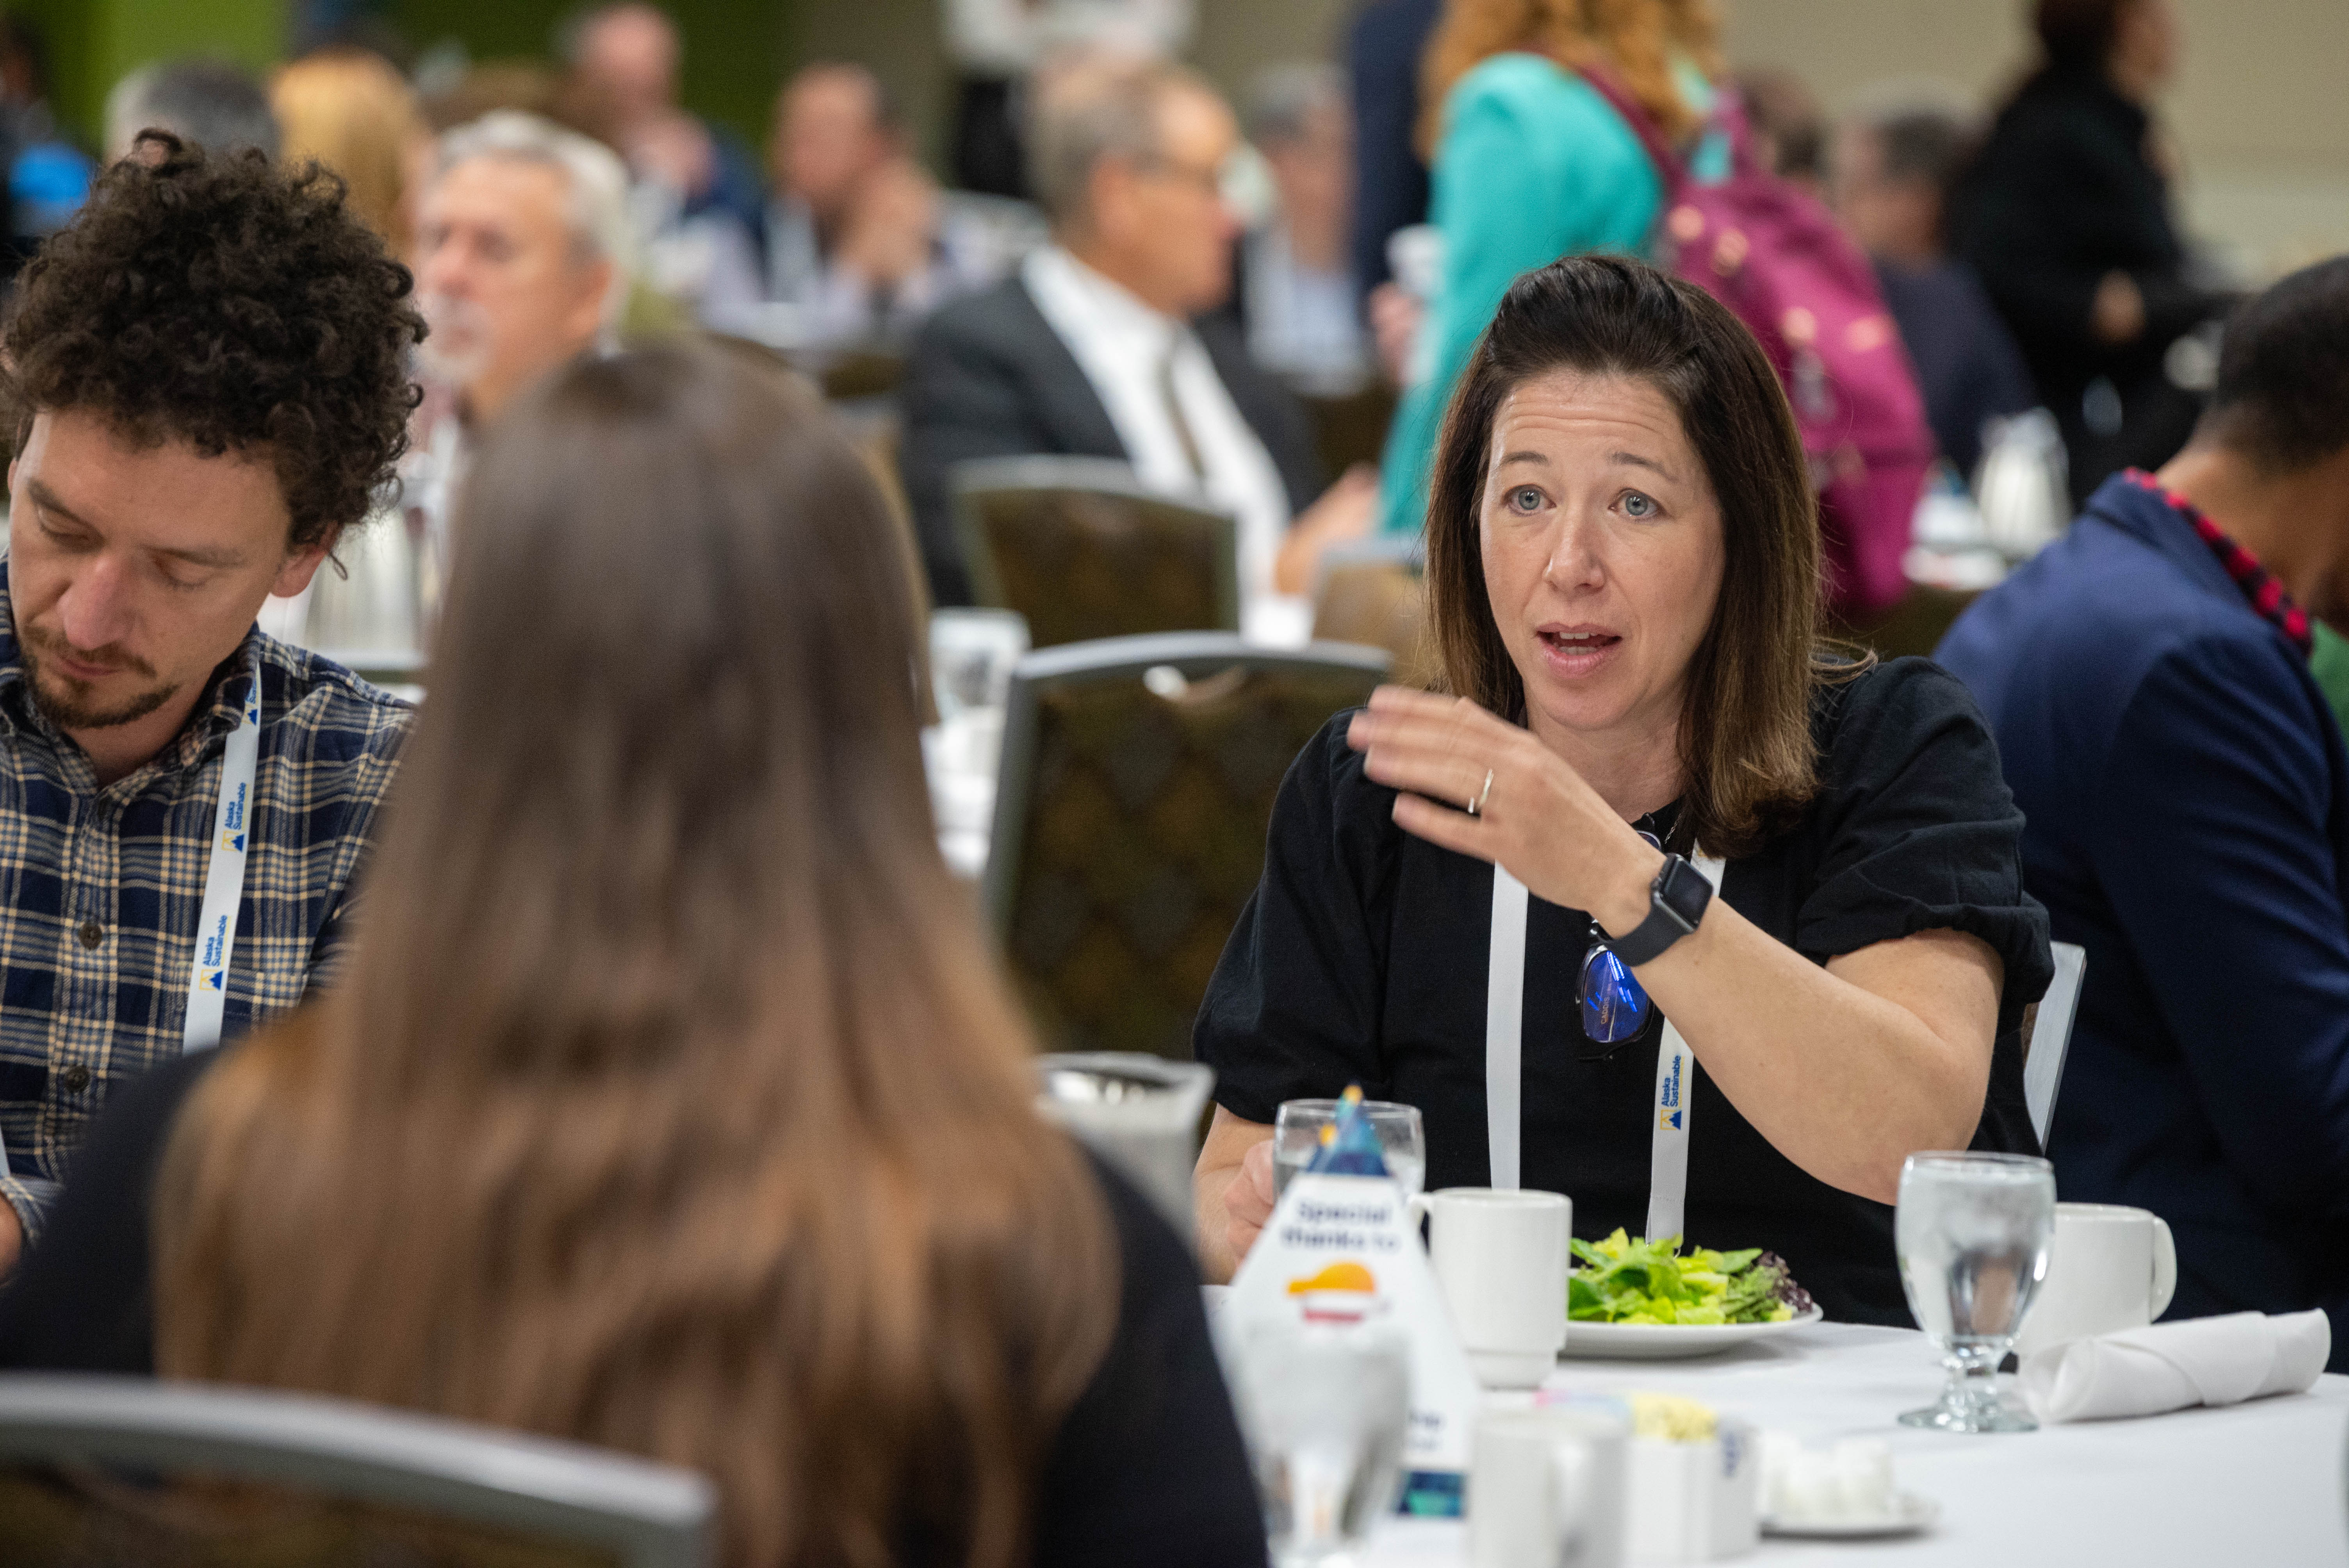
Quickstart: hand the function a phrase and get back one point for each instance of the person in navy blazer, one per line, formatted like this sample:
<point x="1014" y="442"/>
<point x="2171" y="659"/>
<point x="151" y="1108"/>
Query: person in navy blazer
<point x="2187" y="802"/>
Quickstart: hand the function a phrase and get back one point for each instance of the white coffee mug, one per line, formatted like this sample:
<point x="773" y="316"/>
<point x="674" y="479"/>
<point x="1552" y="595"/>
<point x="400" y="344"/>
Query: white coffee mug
<point x="2110" y="1268"/>
<point x="1546" y="1489"/>
<point x="1500" y="1257"/>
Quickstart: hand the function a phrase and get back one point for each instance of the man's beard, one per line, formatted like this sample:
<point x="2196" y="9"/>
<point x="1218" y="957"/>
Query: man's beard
<point x="69" y="702"/>
<point x="457" y="348"/>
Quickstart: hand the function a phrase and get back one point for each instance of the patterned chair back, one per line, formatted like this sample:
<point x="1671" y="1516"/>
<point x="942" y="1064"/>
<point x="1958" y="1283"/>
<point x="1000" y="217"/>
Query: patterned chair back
<point x="1349" y="427"/>
<point x="1078" y="547"/>
<point x="1137" y="784"/>
<point x="1374" y="591"/>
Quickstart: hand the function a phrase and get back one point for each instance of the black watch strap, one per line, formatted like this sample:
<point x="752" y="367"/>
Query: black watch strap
<point x="1676" y="902"/>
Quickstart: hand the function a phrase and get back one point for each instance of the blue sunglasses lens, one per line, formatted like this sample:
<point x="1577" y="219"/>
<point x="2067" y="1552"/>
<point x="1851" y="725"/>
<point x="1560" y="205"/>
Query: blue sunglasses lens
<point x="1614" y="1004"/>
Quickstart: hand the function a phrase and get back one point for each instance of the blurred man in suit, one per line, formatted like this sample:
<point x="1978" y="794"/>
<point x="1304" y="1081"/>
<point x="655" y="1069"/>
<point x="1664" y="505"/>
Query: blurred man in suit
<point x="856" y="236"/>
<point x="624" y="60"/>
<point x="1095" y="348"/>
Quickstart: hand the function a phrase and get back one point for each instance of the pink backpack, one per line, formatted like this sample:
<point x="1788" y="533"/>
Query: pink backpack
<point x="1778" y="259"/>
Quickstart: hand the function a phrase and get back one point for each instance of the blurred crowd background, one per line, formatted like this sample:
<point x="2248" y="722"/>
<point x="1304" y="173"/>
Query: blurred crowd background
<point x="819" y="178"/>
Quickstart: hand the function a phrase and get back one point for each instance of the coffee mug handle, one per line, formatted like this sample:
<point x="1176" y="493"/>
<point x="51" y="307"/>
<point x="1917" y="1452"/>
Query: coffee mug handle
<point x="2165" y="1268"/>
<point x="1418" y="1208"/>
<point x="1570" y="1500"/>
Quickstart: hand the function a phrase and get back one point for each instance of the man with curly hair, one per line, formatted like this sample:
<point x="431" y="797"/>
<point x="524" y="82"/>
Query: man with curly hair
<point x="206" y="375"/>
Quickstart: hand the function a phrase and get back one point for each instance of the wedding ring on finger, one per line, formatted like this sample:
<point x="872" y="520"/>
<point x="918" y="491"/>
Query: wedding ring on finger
<point x="1476" y="806"/>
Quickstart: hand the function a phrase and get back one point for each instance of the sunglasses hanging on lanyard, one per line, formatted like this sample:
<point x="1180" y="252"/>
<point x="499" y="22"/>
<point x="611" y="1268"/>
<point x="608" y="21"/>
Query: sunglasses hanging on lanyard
<point x="1607" y="990"/>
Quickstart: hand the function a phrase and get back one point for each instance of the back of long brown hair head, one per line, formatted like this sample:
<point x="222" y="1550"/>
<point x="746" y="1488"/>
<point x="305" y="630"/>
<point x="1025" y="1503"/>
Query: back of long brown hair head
<point x="1637" y="40"/>
<point x="1748" y="763"/>
<point x="671" y="1101"/>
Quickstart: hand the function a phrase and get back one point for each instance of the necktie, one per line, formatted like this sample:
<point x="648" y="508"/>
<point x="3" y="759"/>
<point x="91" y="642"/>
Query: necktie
<point x="1175" y="409"/>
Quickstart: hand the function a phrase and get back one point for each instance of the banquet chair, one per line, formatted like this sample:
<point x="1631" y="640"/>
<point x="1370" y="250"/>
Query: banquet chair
<point x="2051" y="1037"/>
<point x="1137" y="783"/>
<point x="1915" y="626"/>
<point x="1085" y="551"/>
<point x="855" y="375"/>
<point x="1350" y="426"/>
<point x="1373" y="592"/>
<point x="108" y="1471"/>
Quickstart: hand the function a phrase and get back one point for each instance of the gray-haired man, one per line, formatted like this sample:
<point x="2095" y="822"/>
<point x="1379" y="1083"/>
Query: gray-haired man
<point x="521" y="255"/>
<point x="1098" y="347"/>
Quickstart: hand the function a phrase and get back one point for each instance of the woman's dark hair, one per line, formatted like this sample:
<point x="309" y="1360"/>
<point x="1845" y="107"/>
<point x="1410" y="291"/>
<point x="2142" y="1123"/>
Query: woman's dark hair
<point x="232" y="304"/>
<point x="2078" y="34"/>
<point x="673" y="1099"/>
<point x="1746" y="753"/>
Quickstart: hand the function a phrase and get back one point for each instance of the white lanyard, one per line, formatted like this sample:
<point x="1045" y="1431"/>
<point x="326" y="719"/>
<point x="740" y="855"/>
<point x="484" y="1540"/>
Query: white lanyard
<point x="223" y="878"/>
<point x="1505" y="1006"/>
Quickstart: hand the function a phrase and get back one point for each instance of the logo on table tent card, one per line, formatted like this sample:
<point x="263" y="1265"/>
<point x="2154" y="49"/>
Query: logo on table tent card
<point x="1353" y="1233"/>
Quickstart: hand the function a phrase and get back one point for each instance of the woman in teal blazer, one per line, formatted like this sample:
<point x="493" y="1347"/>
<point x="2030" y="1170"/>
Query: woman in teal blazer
<point x="1532" y="164"/>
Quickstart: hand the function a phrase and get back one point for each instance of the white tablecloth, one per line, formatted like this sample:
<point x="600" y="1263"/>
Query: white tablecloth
<point x="2260" y="1483"/>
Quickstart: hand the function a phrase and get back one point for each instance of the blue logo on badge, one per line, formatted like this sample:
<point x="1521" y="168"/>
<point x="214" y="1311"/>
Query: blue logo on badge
<point x="211" y="980"/>
<point x="235" y="842"/>
<point x="1669" y="1118"/>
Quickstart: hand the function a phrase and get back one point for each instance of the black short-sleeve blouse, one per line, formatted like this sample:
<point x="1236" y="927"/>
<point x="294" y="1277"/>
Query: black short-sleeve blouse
<point x="1362" y="959"/>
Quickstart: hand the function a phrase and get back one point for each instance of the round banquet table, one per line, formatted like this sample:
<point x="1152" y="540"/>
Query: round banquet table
<point x="2261" y="1482"/>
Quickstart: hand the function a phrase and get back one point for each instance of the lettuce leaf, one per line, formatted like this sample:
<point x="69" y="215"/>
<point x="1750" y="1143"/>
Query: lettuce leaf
<point x="1624" y="1279"/>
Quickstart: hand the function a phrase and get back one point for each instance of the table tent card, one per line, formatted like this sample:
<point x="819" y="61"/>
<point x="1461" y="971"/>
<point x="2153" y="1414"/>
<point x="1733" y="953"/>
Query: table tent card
<point x="1350" y="1233"/>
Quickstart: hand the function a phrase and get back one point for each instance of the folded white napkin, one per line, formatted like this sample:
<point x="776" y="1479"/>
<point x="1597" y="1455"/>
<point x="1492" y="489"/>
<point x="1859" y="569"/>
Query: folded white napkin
<point x="2194" y="1361"/>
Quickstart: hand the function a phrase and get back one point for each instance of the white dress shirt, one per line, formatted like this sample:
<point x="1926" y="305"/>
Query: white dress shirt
<point x="837" y="306"/>
<point x="1303" y="323"/>
<point x="1121" y="345"/>
<point x="1006" y="37"/>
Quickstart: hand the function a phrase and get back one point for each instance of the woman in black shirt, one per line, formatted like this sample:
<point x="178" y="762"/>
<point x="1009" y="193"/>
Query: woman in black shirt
<point x="1622" y="569"/>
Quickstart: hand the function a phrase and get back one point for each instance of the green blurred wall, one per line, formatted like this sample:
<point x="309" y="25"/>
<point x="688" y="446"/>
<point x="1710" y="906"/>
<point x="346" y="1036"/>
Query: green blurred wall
<point x="736" y="51"/>
<point x="92" y="42"/>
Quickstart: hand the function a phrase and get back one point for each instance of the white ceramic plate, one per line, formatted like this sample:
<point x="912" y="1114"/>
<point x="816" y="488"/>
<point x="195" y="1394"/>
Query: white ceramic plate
<point x="1910" y="1514"/>
<point x="1668" y="1341"/>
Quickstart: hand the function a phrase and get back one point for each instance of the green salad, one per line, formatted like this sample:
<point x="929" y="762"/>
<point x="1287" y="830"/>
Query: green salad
<point x="1626" y="1281"/>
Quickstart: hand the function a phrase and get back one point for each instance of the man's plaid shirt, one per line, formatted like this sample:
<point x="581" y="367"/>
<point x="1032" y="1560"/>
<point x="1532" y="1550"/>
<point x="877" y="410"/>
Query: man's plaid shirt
<point x="100" y="888"/>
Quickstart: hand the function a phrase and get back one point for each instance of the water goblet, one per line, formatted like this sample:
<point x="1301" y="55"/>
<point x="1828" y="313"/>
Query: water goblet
<point x="1973" y="1232"/>
<point x="1323" y="1392"/>
<point x="1297" y="1135"/>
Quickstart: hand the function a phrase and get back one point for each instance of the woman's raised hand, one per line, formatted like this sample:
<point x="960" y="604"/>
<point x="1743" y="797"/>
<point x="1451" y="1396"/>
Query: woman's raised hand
<point x="1534" y="815"/>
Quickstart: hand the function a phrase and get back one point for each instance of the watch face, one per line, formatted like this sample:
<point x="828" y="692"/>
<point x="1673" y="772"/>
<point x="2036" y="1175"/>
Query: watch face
<point x="1685" y="892"/>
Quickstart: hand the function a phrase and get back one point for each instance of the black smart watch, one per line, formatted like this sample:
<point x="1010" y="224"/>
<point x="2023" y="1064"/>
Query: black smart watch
<point x="1676" y="901"/>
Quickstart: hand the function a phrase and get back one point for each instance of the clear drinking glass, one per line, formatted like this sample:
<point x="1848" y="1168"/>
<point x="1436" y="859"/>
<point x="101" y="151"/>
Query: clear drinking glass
<point x="1973" y="1232"/>
<point x="971" y="655"/>
<point x="1324" y="1395"/>
<point x="1296" y="1135"/>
